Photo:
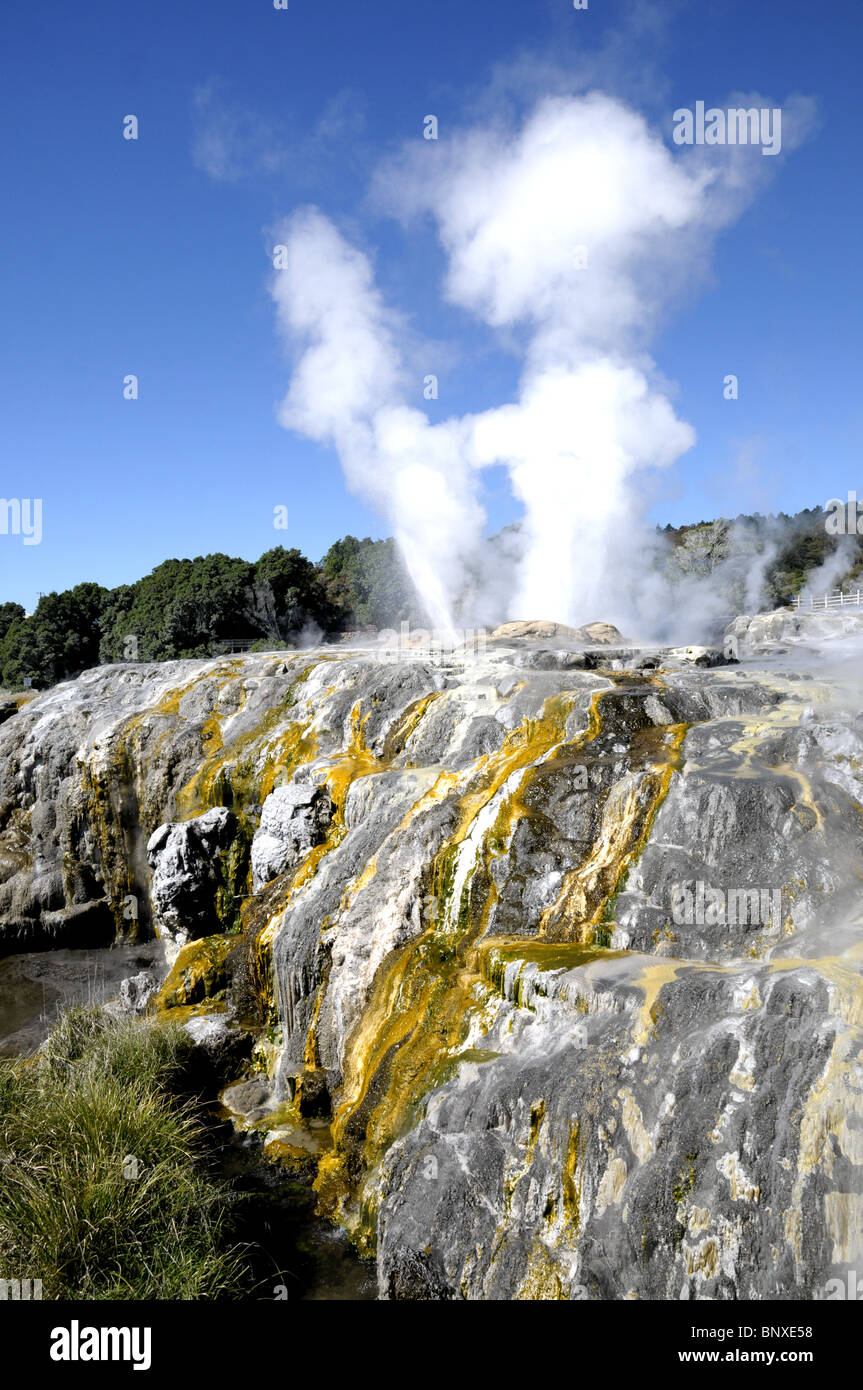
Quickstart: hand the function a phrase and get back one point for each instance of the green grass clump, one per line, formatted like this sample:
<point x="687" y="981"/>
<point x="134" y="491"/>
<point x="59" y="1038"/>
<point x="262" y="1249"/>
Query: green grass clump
<point x="101" y="1095"/>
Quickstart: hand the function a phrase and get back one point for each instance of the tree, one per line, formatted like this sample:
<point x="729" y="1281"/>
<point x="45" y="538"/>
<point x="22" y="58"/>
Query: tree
<point x="10" y="613"/>
<point x="288" y="593"/>
<point x="59" y="640"/>
<point x="368" y="583"/>
<point x="178" y="610"/>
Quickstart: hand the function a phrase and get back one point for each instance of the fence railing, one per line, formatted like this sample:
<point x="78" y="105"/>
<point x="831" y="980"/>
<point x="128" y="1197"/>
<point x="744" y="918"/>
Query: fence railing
<point x="838" y="599"/>
<point x="224" y="645"/>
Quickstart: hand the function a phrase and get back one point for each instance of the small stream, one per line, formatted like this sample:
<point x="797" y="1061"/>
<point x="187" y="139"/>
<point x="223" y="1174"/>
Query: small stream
<point x="297" y="1256"/>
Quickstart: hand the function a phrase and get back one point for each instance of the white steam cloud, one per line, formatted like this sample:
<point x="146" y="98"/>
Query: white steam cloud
<point x="572" y="234"/>
<point x="831" y="572"/>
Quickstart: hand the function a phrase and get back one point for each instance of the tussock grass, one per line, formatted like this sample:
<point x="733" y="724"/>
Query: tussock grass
<point x="100" y="1095"/>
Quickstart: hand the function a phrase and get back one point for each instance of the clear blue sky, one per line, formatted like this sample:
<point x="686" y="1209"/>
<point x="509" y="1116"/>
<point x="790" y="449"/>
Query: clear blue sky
<point x="149" y="257"/>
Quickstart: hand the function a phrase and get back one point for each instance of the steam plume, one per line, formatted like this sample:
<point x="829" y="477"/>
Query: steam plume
<point x="572" y="234"/>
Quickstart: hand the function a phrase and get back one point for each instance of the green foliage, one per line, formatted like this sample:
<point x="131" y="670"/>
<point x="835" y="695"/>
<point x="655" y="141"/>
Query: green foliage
<point x="807" y="547"/>
<point x="185" y="608"/>
<point x="289" y="593"/>
<point x="801" y="543"/>
<point x="178" y="610"/>
<point x="72" y="1211"/>
<point x="10" y="613"/>
<point x="369" y="585"/>
<point x="60" y="639"/>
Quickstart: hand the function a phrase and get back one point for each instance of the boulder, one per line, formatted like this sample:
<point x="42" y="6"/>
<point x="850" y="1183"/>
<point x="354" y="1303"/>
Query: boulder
<point x="136" y="991"/>
<point x="186" y="876"/>
<point x="536" y="627"/>
<point x="220" y="1048"/>
<point x="592" y="634"/>
<point x="293" y="820"/>
<point x="599" y="634"/>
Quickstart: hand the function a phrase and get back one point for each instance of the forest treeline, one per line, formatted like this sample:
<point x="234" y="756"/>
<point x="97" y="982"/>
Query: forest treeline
<point x="186" y="608"/>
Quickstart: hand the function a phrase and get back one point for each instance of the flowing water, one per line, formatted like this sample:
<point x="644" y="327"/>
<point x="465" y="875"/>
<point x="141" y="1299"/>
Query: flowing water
<point x="297" y="1255"/>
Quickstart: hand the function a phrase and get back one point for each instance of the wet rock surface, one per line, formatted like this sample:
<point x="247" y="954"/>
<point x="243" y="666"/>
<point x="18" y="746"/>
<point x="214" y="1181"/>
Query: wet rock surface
<point x="294" y="820"/>
<point x="766" y="633"/>
<point x="556" y="966"/>
<point x="186" y="875"/>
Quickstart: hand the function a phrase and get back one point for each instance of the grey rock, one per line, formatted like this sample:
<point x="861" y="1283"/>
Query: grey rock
<point x="136" y="991"/>
<point x="185" y="862"/>
<point x="780" y="631"/>
<point x="246" y="1096"/>
<point x="220" y="1048"/>
<point x="293" y="820"/>
<point x="609" y="1098"/>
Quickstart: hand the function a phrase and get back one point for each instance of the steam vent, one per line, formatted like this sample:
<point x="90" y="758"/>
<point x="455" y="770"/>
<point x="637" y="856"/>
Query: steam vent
<point x="541" y="964"/>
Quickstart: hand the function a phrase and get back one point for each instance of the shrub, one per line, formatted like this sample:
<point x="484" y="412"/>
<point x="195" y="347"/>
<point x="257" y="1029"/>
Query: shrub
<point x="97" y="1106"/>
